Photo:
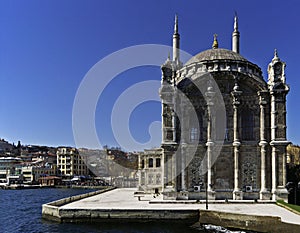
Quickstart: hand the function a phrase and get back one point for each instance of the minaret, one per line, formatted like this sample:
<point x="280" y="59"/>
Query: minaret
<point x="236" y="36"/>
<point x="176" y="40"/>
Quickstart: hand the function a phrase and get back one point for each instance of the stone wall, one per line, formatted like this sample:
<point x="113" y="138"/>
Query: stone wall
<point x="247" y="222"/>
<point x="51" y="210"/>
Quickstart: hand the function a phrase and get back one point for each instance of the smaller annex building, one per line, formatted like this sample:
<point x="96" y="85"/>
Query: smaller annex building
<point x="150" y="171"/>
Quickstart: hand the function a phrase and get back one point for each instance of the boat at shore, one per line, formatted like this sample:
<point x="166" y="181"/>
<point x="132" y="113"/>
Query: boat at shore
<point x="38" y="186"/>
<point x="19" y="186"/>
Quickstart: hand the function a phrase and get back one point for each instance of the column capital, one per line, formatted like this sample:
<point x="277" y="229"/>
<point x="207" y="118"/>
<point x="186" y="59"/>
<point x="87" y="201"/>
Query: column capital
<point x="280" y="91"/>
<point x="173" y="112"/>
<point x="210" y="94"/>
<point x="236" y="93"/>
<point x="236" y="143"/>
<point x="263" y="143"/>
<point x="210" y="143"/>
<point x="263" y="98"/>
<point x="279" y="143"/>
<point x="184" y="145"/>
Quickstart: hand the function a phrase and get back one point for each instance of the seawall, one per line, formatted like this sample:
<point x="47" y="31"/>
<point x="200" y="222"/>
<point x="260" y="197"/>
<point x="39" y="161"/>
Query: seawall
<point x="121" y="205"/>
<point x="247" y="222"/>
<point x="51" y="210"/>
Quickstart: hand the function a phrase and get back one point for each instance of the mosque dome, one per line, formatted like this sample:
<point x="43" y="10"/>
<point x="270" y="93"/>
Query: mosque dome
<point x="216" y="54"/>
<point x="220" y="59"/>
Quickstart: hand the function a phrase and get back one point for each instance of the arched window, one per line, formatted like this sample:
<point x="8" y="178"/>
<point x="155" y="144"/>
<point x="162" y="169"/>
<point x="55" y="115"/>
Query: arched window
<point x="143" y="178"/>
<point x="150" y="162"/>
<point x="221" y="131"/>
<point x="194" y="136"/>
<point x="157" y="162"/>
<point x="196" y="127"/>
<point x="200" y="134"/>
<point x="158" y="179"/>
<point x="143" y="164"/>
<point x="247" y="125"/>
<point x="150" y="179"/>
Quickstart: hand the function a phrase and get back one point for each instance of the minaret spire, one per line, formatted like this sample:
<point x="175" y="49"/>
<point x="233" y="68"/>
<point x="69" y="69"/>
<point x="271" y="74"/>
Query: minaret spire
<point x="236" y="35"/>
<point x="176" y="40"/>
<point x="176" y="24"/>
<point x="236" y="23"/>
<point x="275" y="58"/>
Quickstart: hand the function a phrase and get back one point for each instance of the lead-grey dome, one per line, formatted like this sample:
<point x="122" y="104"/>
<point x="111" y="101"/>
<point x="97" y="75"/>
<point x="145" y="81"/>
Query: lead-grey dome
<point x="216" y="54"/>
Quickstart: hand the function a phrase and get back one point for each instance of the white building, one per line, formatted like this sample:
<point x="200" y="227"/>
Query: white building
<point x="31" y="174"/>
<point x="150" y="171"/>
<point x="9" y="166"/>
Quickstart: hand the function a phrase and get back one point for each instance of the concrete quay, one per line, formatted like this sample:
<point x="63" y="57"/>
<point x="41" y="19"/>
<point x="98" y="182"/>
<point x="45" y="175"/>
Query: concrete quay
<point x="121" y="205"/>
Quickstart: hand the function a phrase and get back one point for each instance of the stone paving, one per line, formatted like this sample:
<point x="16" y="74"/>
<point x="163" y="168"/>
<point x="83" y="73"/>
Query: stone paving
<point x="124" y="199"/>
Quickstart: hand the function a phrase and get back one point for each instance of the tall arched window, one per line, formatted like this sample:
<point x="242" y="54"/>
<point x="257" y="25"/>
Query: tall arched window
<point x="247" y="125"/>
<point x="150" y="162"/>
<point x="143" y="164"/>
<point x="157" y="162"/>
<point x="196" y="129"/>
<point x="194" y="136"/>
<point x="221" y="131"/>
<point x="200" y="119"/>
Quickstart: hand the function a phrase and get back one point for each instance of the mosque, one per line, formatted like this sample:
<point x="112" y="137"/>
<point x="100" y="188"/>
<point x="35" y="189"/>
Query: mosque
<point x="223" y="126"/>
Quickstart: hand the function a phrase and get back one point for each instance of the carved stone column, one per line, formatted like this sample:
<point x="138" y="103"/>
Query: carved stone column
<point x="173" y="130"/>
<point x="183" y="194"/>
<point x="183" y="165"/>
<point x="264" y="194"/>
<point x="184" y="123"/>
<point x="210" y="94"/>
<point x="184" y="139"/>
<point x="237" y="193"/>
<point x="278" y="144"/>
<point x="274" y="176"/>
<point x="169" y="145"/>
<point x="140" y="168"/>
<point x="164" y="177"/>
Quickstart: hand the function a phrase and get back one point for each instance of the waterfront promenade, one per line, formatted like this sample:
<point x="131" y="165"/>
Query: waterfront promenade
<point x="122" y="204"/>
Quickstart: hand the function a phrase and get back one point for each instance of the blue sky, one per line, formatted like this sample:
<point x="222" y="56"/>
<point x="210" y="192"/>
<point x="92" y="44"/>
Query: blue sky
<point x="47" y="47"/>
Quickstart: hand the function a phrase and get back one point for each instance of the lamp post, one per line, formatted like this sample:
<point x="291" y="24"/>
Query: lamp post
<point x="206" y="197"/>
<point x="202" y="184"/>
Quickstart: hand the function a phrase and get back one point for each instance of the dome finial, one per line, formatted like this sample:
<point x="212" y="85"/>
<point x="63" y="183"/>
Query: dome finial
<point x="215" y="43"/>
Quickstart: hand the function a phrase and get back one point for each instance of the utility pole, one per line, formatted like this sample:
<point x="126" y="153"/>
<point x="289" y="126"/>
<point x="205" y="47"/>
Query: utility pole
<point x="206" y="197"/>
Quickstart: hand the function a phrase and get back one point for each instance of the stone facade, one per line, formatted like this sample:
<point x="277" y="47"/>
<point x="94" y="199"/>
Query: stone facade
<point x="223" y="125"/>
<point x="150" y="171"/>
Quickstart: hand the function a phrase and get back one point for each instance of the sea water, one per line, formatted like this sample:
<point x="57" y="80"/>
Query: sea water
<point x="21" y="211"/>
